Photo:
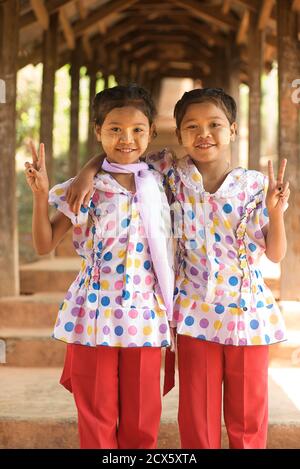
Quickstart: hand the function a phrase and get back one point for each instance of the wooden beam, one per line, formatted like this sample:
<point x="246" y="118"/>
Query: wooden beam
<point x="85" y="39"/>
<point x="67" y="28"/>
<point x="180" y="46"/>
<point x="208" y="14"/>
<point x="255" y="7"/>
<point x="9" y="257"/>
<point x="40" y="12"/>
<point x="226" y="7"/>
<point x="202" y="30"/>
<point x="114" y="6"/>
<point x="296" y="5"/>
<point x="102" y="27"/>
<point x="82" y="9"/>
<point x="155" y="53"/>
<point x="153" y="57"/>
<point x="251" y="5"/>
<point x="288" y="142"/>
<point x="243" y="28"/>
<point x="265" y="14"/>
<point x="30" y="18"/>
<point x="121" y="28"/>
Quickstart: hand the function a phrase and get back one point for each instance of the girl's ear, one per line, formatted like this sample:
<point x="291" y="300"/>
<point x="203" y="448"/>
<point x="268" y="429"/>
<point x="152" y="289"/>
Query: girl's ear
<point x="178" y="136"/>
<point x="153" y="132"/>
<point x="97" y="130"/>
<point x="233" y="131"/>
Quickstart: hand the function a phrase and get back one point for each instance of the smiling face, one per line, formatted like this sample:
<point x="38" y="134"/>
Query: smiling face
<point x="205" y="132"/>
<point x="125" y="134"/>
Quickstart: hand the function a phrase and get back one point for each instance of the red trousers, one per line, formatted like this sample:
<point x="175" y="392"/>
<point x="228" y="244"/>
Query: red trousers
<point x="117" y="394"/>
<point x="243" y="371"/>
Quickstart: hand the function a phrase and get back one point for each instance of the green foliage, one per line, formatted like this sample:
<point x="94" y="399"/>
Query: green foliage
<point x="28" y="104"/>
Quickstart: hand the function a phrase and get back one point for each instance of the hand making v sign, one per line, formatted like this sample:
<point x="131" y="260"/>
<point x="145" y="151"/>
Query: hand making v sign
<point x="36" y="172"/>
<point x="278" y="191"/>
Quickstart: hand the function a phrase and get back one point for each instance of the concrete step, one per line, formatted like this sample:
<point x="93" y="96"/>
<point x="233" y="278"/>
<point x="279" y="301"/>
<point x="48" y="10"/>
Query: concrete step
<point x="66" y="248"/>
<point x="49" y="275"/>
<point x="30" y="311"/>
<point x="30" y="348"/>
<point x="37" y="412"/>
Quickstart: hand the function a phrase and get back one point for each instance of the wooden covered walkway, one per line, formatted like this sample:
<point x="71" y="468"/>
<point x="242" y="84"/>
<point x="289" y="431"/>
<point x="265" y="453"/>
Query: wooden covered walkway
<point x="220" y="43"/>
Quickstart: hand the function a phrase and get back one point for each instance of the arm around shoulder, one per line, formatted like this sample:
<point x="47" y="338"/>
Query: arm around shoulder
<point x="80" y="190"/>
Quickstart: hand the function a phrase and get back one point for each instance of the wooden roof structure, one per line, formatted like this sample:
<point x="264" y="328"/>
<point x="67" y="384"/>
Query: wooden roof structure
<point x="163" y="37"/>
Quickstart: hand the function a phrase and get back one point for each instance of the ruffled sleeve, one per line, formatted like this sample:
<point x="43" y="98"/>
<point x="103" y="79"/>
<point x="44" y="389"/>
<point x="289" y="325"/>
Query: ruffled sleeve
<point x="57" y="198"/>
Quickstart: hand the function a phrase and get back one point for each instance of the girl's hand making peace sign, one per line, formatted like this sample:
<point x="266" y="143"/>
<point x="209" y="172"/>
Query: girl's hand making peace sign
<point x="36" y="173"/>
<point x="278" y="191"/>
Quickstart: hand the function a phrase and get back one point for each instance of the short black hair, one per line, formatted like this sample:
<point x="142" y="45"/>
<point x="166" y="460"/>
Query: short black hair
<point x="121" y="96"/>
<point x="217" y="96"/>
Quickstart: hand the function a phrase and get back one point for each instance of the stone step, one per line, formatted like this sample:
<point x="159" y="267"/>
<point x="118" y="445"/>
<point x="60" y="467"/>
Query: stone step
<point x="37" y="412"/>
<point x="49" y="275"/>
<point x="30" y="348"/>
<point x="30" y="311"/>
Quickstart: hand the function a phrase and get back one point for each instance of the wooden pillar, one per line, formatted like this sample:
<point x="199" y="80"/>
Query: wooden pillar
<point x="124" y="69"/>
<point x="74" y="110"/>
<point x="47" y="100"/>
<point x="141" y="77"/>
<point x="91" y="143"/>
<point x="218" y="78"/>
<point x="122" y="78"/>
<point x="289" y="141"/>
<point x="234" y="91"/>
<point x="255" y="59"/>
<point x="133" y="71"/>
<point x="156" y="88"/>
<point x="147" y="79"/>
<point x="105" y="77"/>
<point x="9" y="261"/>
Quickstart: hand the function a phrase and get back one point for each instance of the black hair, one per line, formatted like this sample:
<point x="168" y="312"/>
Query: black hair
<point x="121" y="96"/>
<point x="217" y="96"/>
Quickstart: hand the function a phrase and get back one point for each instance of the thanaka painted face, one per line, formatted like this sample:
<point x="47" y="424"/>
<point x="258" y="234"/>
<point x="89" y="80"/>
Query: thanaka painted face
<point x="125" y="134"/>
<point x="206" y="133"/>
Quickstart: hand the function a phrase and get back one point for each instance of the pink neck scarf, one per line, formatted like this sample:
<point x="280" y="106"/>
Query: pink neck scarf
<point x="156" y="222"/>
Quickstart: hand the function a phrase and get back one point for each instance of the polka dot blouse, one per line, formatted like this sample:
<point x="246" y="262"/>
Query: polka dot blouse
<point x="115" y="299"/>
<point x="220" y="295"/>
